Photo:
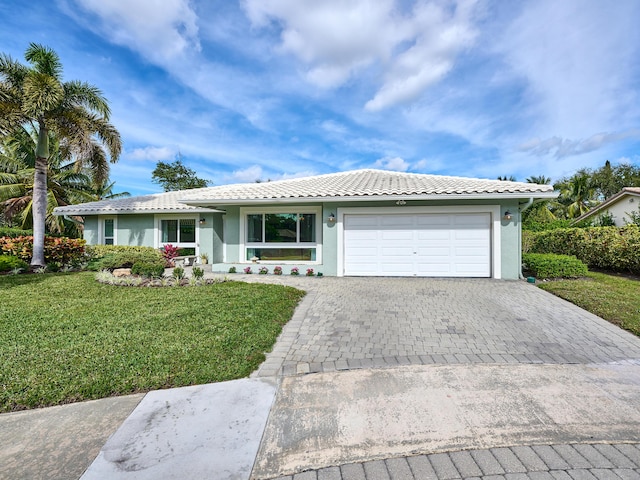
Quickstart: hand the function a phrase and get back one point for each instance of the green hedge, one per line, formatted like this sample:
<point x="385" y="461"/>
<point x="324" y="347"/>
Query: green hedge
<point x="609" y="248"/>
<point x="9" y="262"/>
<point x="110" y="257"/>
<point x="147" y="269"/>
<point x="14" y="232"/>
<point x="549" y="265"/>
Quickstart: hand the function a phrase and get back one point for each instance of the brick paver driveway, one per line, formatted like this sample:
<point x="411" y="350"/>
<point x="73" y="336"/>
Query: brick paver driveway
<point x="347" y="323"/>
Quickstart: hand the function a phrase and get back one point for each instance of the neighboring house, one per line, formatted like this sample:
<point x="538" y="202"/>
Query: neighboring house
<point x="619" y="206"/>
<point x="358" y="223"/>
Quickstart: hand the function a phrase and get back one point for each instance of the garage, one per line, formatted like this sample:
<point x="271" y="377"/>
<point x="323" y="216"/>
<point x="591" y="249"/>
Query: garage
<point x="421" y="245"/>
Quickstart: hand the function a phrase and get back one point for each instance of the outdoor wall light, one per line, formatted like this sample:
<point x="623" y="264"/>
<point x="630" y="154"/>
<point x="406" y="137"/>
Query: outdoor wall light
<point x="202" y="221"/>
<point x="507" y="215"/>
<point x="331" y="218"/>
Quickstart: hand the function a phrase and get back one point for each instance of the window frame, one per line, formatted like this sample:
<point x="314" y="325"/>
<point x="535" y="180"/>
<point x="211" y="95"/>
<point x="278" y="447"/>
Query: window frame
<point x="102" y="238"/>
<point x="294" y="209"/>
<point x="160" y="244"/>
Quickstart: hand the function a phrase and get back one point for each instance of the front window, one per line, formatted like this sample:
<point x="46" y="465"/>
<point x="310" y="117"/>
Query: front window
<point x="108" y="231"/>
<point x="180" y="232"/>
<point x="282" y="236"/>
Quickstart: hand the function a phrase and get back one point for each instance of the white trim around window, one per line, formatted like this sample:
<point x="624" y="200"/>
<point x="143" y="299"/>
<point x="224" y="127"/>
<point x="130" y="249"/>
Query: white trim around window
<point x="179" y="234"/>
<point x="107" y="230"/>
<point x="260" y="242"/>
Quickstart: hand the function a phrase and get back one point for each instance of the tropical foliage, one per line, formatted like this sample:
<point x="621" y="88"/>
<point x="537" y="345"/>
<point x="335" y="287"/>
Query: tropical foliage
<point x="75" y="113"/>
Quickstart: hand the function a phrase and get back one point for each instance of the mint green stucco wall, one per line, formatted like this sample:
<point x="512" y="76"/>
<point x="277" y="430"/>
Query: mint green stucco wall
<point x="220" y="234"/>
<point x="90" y="233"/>
<point x="135" y="230"/>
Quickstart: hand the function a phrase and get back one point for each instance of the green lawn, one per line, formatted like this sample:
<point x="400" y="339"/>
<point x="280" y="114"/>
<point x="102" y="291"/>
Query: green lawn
<point x="66" y="338"/>
<point x="612" y="297"/>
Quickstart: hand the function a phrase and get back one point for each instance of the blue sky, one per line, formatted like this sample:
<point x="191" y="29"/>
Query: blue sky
<point x="271" y="89"/>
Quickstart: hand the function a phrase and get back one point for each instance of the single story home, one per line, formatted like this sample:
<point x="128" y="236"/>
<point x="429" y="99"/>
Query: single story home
<point x="357" y="223"/>
<point x="620" y="206"/>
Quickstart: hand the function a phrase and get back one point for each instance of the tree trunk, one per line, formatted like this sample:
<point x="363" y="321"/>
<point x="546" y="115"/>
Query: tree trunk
<point x="39" y="207"/>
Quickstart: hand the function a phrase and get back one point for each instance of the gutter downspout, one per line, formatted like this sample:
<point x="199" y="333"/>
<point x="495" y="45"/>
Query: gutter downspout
<point x="522" y="209"/>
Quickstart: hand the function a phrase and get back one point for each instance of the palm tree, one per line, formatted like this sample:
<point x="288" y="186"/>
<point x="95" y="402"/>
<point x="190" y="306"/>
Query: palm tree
<point x="104" y="191"/>
<point x="17" y="169"/>
<point x="75" y="113"/>
<point x="577" y="194"/>
<point x="539" y="179"/>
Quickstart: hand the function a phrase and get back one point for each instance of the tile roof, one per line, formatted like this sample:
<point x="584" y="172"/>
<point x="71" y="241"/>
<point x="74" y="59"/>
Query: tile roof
<point x="363" y="184"/>
<point x="155" y="203"/>
<point x="352" y="185"/>
<point x="607" y="203"/>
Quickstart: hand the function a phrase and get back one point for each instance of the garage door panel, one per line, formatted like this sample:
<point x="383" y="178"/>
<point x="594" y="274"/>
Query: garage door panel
<point x="396" y="235"/>
<point x="397" y="221"/>
<point x="447" y="245"/>
<point x="433" y="220"/>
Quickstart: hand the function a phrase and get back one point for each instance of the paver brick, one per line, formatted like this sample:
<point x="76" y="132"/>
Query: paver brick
<point x="329" y="473"/>
<point x="581" y="474"/>
<point x="352" y="471"/>
<point x="595" y="458"/>
<point x="465" y="464"/>
<point x="444" y="466"/>
<point x="529" y="458"/>
<point x="508" y="460"/>
<point x="376" y="470"/>
<point x="615" y="456"/>
<point x="310" y="475"/>
<point x="604" y="474"/>
<point x="399" y="469"/>
<point x="571" y="456"/>
<point x="627" y="473"/>
<point x="421" y="467"/>
<point x="550" y="457"/>
<point x="487" y="462"/>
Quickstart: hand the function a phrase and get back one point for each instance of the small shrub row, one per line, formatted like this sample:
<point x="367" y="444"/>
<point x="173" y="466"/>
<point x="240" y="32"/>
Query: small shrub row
<point x="57" y="250"/>
<point x="14" y="232"/>
<point x="122" y="256"/>
<point x="276" y="271"/>
<point x="105" y="276"/>
<point x="9" y="262"/>
<point x="549" y="265"/>
<point x="608" y="248"/>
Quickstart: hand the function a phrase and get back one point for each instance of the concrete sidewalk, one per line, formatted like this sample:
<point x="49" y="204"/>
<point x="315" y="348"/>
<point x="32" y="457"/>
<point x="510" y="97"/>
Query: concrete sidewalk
<point x="355" y="420"/>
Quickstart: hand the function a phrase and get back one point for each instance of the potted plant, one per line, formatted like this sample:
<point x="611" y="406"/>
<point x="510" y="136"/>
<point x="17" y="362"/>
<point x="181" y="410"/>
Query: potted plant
<point x="295" y="271"/>
<point x="204" y="258"/>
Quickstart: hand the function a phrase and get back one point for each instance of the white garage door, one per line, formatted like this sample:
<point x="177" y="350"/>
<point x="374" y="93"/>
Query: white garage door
<point x="422" y="245"/>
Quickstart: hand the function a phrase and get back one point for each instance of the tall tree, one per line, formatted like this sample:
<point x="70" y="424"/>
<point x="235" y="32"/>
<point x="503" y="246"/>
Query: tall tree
<point x="76" y="113"/>
<point x="65" y="185"/>
<point x="176" y="176"/>
<point x="539" y="179"/>
<point x="577" y="194"/>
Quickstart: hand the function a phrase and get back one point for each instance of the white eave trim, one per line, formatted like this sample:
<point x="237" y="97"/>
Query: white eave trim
<point x="137" y="212"/>
<point x="375" y="198"/>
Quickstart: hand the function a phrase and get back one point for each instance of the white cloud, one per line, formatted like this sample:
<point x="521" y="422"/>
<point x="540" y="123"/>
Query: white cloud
<point x="563" y="147"/>
<point x="155" y="154"/>
<point x="249" y="174"/>
<point x="161" y="31"/>
<point x="578" y="61"/>
<point x="338" y="40"/>
<point x="396" y="164"/>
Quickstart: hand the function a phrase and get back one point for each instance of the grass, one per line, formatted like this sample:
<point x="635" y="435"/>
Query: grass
<point x="67" y="338"/>
<point x="612" y="297"/>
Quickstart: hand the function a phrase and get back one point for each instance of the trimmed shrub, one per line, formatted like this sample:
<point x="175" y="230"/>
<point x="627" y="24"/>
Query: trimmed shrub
<point x="198" y="273"/>
<point x="9" y="262"/>
<point x="60" y="250"/>
<point x="110" y="257"/>
<point x="14" y="232"/>
<point x="148" y="269"/>
<point x="178" y="273"/>
<point x="608" y="248"/>
<point x="549" y="265"/>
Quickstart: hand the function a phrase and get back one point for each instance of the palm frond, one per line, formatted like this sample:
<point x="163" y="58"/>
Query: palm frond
<point x="86" y="95"/>
<point x="44" y="59"/>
